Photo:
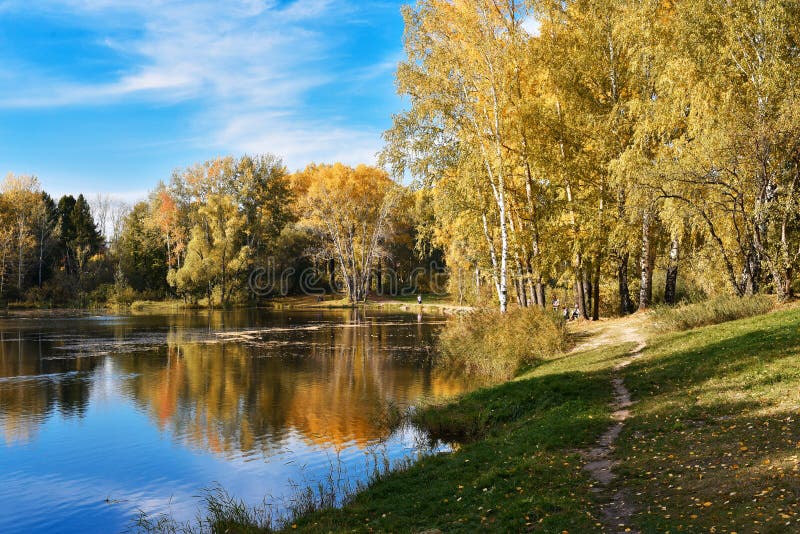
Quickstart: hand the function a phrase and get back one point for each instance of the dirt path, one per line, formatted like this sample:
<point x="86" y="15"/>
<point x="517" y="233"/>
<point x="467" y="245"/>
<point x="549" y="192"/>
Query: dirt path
<point x="616" y="507"/>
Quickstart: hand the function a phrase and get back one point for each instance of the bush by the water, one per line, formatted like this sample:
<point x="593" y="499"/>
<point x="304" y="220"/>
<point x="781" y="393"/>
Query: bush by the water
<point x="714" y="311"/>
<point x="486" y="343"/>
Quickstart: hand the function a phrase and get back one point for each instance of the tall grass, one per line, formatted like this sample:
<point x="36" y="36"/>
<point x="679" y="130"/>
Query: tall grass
<point x="224" y="513"/>
<point x="713" y="311"/>
<point x="488" y="344"/>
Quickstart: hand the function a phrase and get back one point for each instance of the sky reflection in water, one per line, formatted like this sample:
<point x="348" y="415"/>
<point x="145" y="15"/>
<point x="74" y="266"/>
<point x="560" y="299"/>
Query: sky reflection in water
<point x="103" y="416"/>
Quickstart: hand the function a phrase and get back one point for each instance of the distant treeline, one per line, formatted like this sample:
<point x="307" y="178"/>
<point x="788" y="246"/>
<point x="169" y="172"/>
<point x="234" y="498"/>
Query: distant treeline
<point x="48" y="251"/>
<point x="230" y="230"/>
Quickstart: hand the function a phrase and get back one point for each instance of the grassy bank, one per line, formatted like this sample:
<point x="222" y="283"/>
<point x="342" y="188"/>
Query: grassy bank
<point x="709" y="312"/>
<point x="488" y="344"/>
<point x="712" y="444"/>
<point x="714" y="441"/>
<point x="519" y="468"/>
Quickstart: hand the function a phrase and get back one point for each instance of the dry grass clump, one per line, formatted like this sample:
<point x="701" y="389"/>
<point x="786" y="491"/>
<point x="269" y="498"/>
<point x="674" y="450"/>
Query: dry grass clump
<point x="486" y="343"/>
<point x="713" y="311"/>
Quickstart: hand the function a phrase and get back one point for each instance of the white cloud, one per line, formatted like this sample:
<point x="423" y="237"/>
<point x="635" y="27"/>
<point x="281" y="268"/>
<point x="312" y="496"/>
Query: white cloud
<point x="300" y="142"/>
<point x="531" y="25"/>
<point x="250" y="64"/>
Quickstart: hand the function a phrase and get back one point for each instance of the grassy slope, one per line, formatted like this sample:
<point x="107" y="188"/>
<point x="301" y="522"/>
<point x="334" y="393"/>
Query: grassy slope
<point x="713" y="443"/>
<point x="522" y="473"/>
<point x="714" y="439"/>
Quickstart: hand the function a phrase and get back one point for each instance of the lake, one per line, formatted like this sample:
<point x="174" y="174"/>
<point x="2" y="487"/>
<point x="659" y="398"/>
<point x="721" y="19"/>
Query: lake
<point x="103" y="416"/>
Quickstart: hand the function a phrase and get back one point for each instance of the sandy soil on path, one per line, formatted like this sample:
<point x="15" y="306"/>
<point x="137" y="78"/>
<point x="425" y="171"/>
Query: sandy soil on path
<point x="616" y="507"/>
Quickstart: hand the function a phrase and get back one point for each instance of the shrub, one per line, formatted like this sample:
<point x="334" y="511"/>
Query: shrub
<point x="123" y="295"/>
<point x="713" y="311"/>
<point x="486" y="343"/>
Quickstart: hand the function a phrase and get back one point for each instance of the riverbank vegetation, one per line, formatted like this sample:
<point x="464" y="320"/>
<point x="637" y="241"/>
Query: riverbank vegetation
<point x="227" y="231"/>
<point x="712" y="442"/>
<point x="486" y="344"/>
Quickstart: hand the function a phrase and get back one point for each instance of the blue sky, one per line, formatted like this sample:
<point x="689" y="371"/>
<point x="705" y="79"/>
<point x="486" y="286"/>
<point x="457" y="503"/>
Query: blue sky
<point x="111" y="95"/>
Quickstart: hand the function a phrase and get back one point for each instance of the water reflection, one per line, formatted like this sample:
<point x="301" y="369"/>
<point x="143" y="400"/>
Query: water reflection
<point x="32" y="385"/>
<point x="236" y="386"/>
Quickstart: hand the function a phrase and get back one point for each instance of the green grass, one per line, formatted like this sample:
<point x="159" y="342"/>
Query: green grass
<point x="713" y="444"/>
<point x="519" y="470"/>
<point x="714" y="440"/>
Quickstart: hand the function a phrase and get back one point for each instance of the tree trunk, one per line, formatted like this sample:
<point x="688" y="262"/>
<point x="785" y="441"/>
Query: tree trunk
<point x="587" y="289"/>
<point x="645" y="290"/>
<point x="672" y="273"/>
<point x="534" y="300"/>
<point x="534" y="296"/>
<point x="41" y="261"/>
<point x="577" y="292"/>
<point x="540" y="294"/>
<point x="332" y="274"/>
<point x="2" y="274"/>
<point x="379" y="276"/>
<point x="503" y="293"/>
<point x="651" y="263"/>
<point x="580" y="296"/>
<point x="752" y="273"/>
<point x="596" y="289"/>
<point x="21" y="248"/>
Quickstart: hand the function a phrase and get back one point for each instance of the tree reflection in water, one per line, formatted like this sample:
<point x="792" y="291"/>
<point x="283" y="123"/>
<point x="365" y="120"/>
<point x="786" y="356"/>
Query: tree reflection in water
<point x="234" y="383"/>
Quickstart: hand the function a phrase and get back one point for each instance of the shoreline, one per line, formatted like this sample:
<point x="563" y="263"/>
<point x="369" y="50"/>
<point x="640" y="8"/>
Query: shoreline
<point x="524" y="462"/>
<point x="282" y="303"/>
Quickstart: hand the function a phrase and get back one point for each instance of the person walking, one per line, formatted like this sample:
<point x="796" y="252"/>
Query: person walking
<point x="556" y="304"/>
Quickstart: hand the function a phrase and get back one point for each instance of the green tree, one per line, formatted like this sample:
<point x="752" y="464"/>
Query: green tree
<point x="217" y="255"/>
<point x="141" y="252"/>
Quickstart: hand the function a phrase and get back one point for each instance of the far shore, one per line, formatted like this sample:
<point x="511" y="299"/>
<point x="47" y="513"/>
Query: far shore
<point x="430" y="303"/>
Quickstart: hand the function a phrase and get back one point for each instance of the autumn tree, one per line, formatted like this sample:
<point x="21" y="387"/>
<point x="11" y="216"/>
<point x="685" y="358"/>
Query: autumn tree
<point x="631" y="151"/>
<point x="351" y="210"/>
<point x="23" y="197"/>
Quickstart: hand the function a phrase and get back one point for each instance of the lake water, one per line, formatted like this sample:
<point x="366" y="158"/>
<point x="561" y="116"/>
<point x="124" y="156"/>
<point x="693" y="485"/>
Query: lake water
<point x="103" y="416"/>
